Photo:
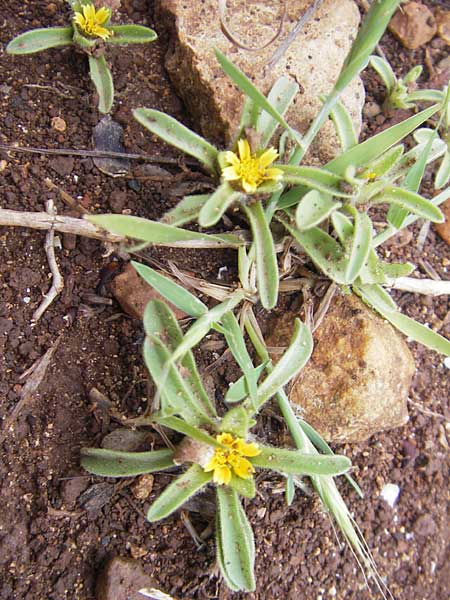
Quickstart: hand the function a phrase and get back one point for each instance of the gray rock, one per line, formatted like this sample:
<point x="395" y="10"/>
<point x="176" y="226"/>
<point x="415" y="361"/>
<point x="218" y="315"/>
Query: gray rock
<point x="357" y="381"/>
<point x="314" y="60"/>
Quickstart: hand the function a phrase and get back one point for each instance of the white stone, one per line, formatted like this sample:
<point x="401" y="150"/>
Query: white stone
<point x="390" y="494"/>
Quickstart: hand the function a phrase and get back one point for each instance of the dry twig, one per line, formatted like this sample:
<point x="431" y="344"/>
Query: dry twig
<point x="57" y="279"/>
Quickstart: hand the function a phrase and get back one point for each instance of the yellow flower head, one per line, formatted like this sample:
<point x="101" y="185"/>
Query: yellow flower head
<point x="251" y="170"/>
<point x="231" y="459"/>
<point x="90" y="21"/>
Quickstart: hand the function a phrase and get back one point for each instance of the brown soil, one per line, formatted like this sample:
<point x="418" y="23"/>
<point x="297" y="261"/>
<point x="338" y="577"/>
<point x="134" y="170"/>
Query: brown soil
<point x="53" y="539"/>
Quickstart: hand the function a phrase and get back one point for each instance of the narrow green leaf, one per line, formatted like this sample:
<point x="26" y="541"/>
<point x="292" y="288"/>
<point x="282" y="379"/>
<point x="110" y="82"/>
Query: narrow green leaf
<point x="171" y="291"/>
<point x="314" y="208"/>
<point x="201" y="327"/>
<point x="290" y="490"/>
<point x="266" y="258"/>
<point x="176" y="396"/>
<point x="292" y="461"/>
<point x="154" y="232"/>
<point x="280" y="98"/>
<point x="178" y="492"/>
<point x="384" y="70"/>
<point x="376" y="298"/>
<point x="160" y="321"/>
<point x="382" y="165"/>
<point x="200" y="435"/>
<point x="343" y="123"/>
<point x="343" y="227"/>
<point x="314" y="178"/>
<point x="323" y="250"/>
<point x="243" y="487"/>
<point x="411" y="201"/>
<point x="238" y="390"/>
<point x="176" y="134"/>
<point x="360" y="245"/>
<point x="443" y="173"/>
<point x="235" y="542"/>
<point x="103" y="81"/>
<point x="236" y="421"/>
<point x="370" y="32"/>
<point x="115" y="463"/>
<point x="375" y="146"/>
<point x="131" y="34"/>
<point x="236" y="343"/>
<point x="397" y="214"/>
<point x="186" y="211"/>
<point x="217" y="204"/>
<point x="40" y="39"/>
<point x="394" y="270"/>
<point x="321" y="445"/>
<point x="419" y="333"/>
<point x="292" y="361"/>
<point x="247" y="88"/>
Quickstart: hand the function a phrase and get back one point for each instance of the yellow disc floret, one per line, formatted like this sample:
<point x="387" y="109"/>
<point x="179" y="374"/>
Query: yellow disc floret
<point x="231" y="459"/>
<point x="251" y="170"/>
<point x="91" y="21"/>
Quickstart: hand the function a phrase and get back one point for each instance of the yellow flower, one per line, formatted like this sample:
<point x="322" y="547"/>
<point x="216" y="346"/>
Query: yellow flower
<point x="91" y="21"/>
<point x="251" y="170"/>
<point x="231" y="459"/>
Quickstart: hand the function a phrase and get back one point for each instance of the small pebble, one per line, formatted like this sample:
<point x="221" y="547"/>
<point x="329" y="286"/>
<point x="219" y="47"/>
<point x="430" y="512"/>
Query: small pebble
<point x="390" y="493"/>
<point x="59" y="124"/>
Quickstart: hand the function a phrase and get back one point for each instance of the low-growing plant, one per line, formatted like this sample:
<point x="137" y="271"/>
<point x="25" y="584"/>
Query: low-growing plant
<point x="326" y="215"/>
<point x="91" y="31"/>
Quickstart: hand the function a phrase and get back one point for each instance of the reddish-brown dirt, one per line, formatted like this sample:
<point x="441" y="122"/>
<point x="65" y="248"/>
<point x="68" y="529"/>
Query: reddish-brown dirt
<point x="54" y="540"/>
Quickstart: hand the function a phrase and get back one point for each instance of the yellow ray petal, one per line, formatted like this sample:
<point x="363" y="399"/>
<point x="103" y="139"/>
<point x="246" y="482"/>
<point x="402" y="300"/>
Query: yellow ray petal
<point x="268" y="157"/>
<point x="242" y="467"/>
<point x="230" y="174"/>
<point x="232" y="158"/>
<point x="244" y="150"/>
<point x="247" y="448"/>
<point x="102" y="15"/>
<point x="222" y="475"/>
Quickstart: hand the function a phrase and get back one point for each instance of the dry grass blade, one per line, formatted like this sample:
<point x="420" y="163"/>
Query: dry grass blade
<point x="30" y="388"/>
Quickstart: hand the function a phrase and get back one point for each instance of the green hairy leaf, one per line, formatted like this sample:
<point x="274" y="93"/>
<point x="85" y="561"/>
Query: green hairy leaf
<point x="201" y="327"/>
<point x="315" y="178"/>
<point x="160" y="321"/>
<point x="171" y="291"/>
<point x="324" y="251"/>
<point x="280" y="98"/>
<point x="156" y="233"/>
<point x="217" y="204"/>
<point x="200" y="435"/>
<point x="176" y="134"/>
<point x="247" y="87"/>
<point x="131" y="34"/>
<point x="178" y="492"/>
<point x="292" y="361"/>
<point x="344" y="126"/>
<point x="236" y="343"/>
<point x="238" y="390"/>
<point x="384" y="70"/>
<point x="103" y="81"/>
<point x="266" y="258"/>
<point x="114" y="463"/>
<point x="410" y="201"/>
<point x="360" y="245"/>
<point x="375" y="146"/>
<point x="186" y="211"/>
<point x="234" y="541"/>
<point x="380" y="300"/>
<point x="292" y="461"/>
<point x="40" y="39"/>
<point x="314" y="208"/>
